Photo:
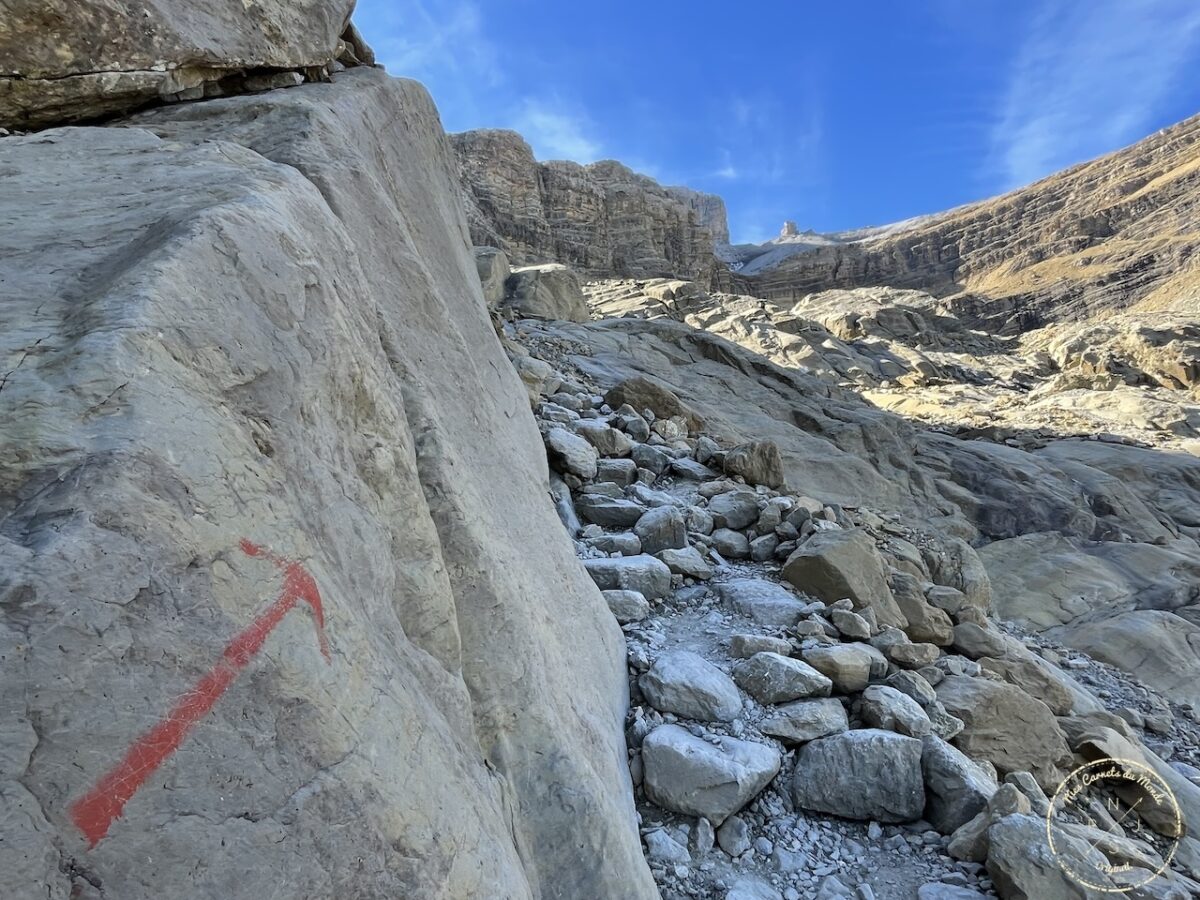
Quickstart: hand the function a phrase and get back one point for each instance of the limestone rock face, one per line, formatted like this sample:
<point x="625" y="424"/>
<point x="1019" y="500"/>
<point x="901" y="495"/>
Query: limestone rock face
<point x="600" y="219"/>
<point x="67" y="61"/>
<point x="241" y="411"/>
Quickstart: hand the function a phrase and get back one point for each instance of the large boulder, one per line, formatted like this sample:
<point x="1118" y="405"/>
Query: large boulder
<point x="549" y="291"/>
<point x="66" y="62"/>
<point x="642" y="573"/>
<point x="246" y="497"/>
<point x="690" y="775"/>
<point x="1006" y="727"/>
<point x="492" y="266"/>
<point x="864" y="774"/>
<point x="642" y="393"/>
<point x="833" y="565"/>
<point x="956" y="789"/>
<point x="758" y="462"/>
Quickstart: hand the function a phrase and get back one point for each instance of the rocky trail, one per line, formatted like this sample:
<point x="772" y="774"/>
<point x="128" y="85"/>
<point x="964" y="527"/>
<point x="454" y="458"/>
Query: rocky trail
<point x="797" y="675"/>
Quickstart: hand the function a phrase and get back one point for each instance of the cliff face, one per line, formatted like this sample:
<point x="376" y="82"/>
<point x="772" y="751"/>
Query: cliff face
<point x="1104" y="236"/>
<point x="284" y="607"/>
<point x="601" y="219"/>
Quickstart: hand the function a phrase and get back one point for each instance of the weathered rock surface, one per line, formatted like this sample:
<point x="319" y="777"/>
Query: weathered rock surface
<point x="864" y="774"/>
<point x="64" y="62"/>
<point x="205" y="353"/>
<point x="713" y="780"/>
<point x="600" y="219"/>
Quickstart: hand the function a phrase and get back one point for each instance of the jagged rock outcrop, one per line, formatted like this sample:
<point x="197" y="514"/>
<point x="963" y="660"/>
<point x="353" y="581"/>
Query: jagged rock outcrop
<point x="1103" y="236"/>
<point x="286" y="609"/>
<point x="69" y="61"/>
<point x="601" y="219"/>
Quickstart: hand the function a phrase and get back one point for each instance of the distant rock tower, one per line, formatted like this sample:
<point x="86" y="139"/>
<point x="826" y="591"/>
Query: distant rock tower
<point x="789" y="229"/>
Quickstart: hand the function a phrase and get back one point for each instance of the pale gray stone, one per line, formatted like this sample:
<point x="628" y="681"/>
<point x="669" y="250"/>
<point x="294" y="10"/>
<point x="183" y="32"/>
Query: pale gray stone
<point x="689" y="775"/>
<point x="569" y="452"/>
<point x="642" y="573"/>
<point x="763" y="601"/>
<point x="686" y="684"/>
<point x="687" y="562"/>
<point x="734" y="509"/>
<point x="772" y="678"/>
<point x="661" y="528"/>
<point x="887" y="708"/>
<point x="627" y="606"/>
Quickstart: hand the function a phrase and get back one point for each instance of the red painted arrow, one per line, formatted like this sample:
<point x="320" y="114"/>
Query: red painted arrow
<point x="94" y="812"/>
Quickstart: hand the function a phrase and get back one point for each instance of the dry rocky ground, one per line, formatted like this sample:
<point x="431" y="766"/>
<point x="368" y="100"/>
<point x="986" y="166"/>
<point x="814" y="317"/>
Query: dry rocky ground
<point x="825" y="703"/>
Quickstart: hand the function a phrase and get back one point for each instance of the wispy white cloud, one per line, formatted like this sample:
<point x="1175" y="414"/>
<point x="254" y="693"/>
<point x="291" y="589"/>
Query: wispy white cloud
<point x="555" y="131"/>
<point x="1088" y="78"/>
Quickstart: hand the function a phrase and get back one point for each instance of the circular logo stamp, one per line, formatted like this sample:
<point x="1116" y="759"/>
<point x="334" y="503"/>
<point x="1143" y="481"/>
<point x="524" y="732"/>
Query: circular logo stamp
<point x="1106" y="793"/>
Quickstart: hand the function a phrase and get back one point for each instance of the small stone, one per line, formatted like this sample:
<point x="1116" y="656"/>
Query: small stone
<point x="734" y="836"/>
<point x="885" y="707"/>
<point x="731" y="544"/>
<point x="851" y="625"/>
<point x="661" y="847"/>
<point x="973" y="641"/>
<point x="772" y="678"/>
<point x="744" y="646"/>
<point x="627" y="606"/>
<point x="687" y="562"/>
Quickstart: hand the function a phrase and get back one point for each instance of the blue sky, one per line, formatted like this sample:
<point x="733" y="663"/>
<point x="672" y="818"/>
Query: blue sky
<point x="836" y="115"/>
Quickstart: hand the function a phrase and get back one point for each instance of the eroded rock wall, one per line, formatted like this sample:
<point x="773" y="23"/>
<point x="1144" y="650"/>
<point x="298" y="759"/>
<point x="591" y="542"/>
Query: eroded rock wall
<point x="286" y="609"/>
<point x="601" y="219"/>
